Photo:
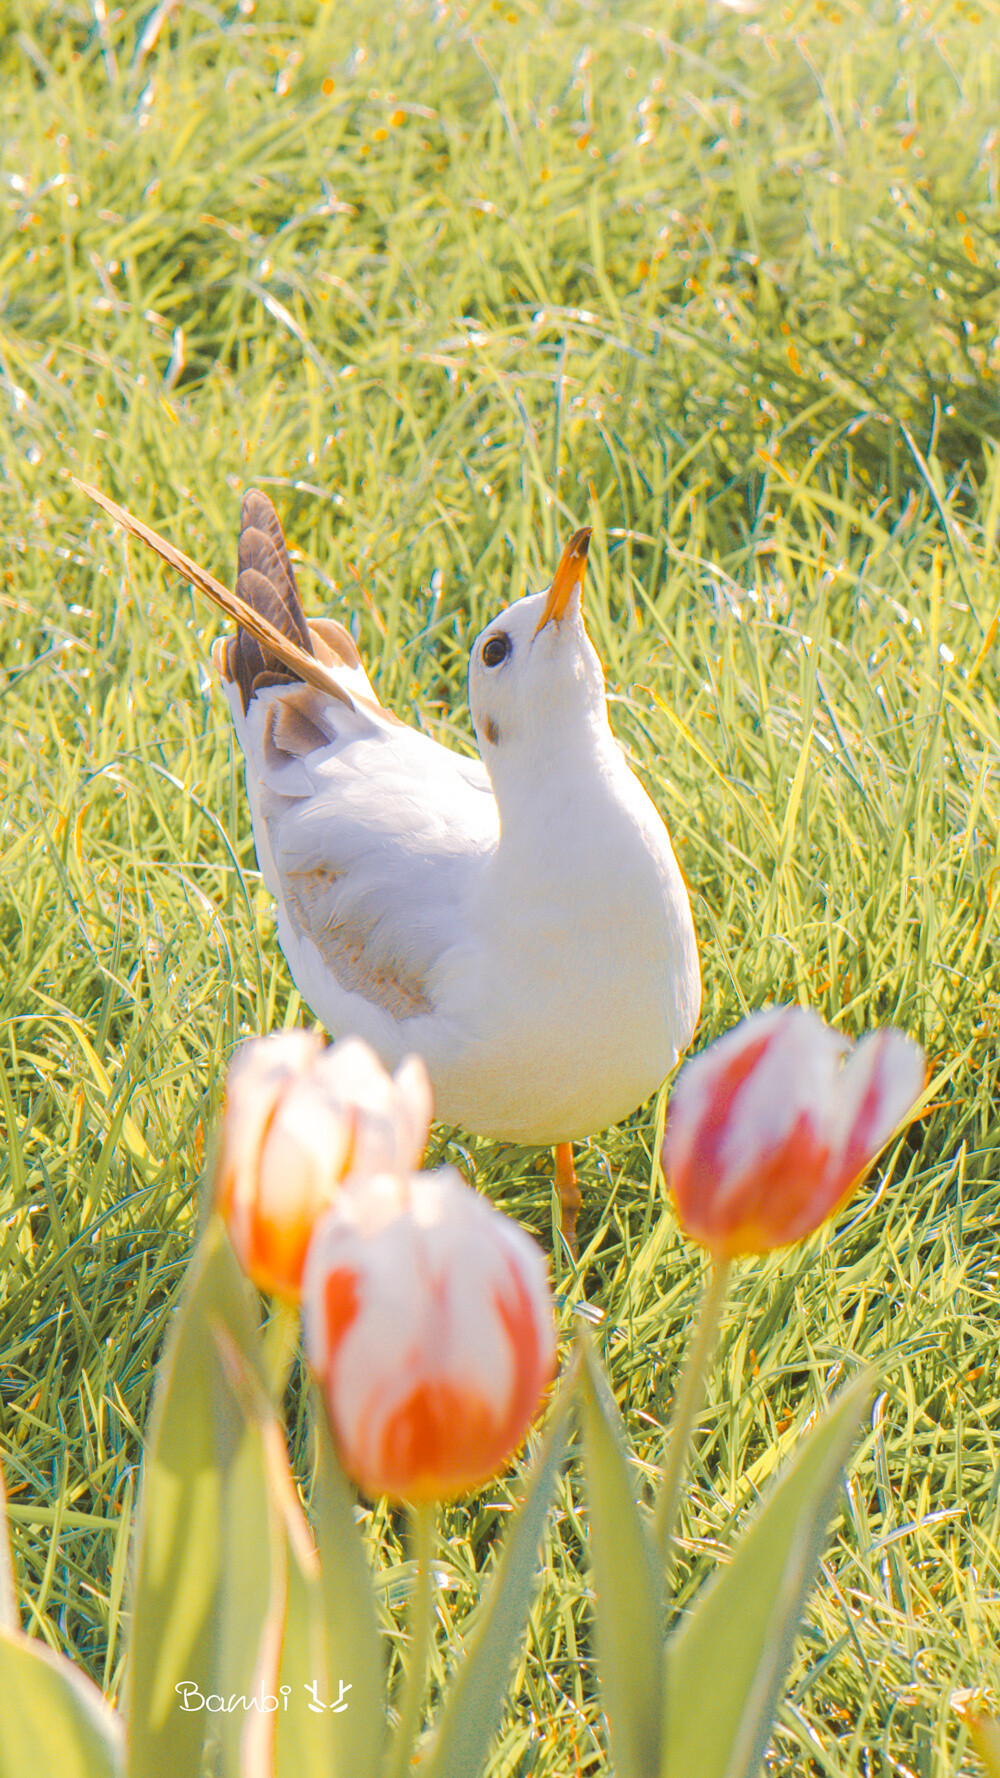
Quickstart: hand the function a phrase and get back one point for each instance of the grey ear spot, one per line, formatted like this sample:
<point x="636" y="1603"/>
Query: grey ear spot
<point x="491" y="732"/>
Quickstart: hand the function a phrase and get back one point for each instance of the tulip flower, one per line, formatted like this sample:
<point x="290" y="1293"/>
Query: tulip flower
<point x="299" y="1118"/>
<point x="771" y="1128"/>
<point x="428" y="1321"/>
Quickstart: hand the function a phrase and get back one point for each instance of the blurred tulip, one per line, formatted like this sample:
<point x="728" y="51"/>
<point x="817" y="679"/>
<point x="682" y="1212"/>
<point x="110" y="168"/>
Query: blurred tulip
<point x="299" y="1118"/>
<point x="428" y="1321"/>
<point x="770" y="1129"/>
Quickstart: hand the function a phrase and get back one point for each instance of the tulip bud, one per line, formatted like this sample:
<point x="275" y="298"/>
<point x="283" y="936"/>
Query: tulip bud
<point x="298" y="1119"/>
<point x="770" y="1129"/>
<point x="428" y="1321"/>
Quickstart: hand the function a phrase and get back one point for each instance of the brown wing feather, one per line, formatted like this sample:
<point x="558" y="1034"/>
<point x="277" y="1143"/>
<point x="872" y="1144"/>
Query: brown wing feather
<point x="345" y="944"/>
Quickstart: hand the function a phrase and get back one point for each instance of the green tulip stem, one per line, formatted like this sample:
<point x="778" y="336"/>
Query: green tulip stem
<point x="281" y="1340"/>
<point x="687" y="1406"/>
<point x="423" y="1519"/>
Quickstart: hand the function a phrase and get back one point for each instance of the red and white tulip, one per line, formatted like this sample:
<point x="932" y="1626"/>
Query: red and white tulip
<point x="770" y="1129"/>
<point x="428" y="1320"/>
<point x="299" y="1119"/>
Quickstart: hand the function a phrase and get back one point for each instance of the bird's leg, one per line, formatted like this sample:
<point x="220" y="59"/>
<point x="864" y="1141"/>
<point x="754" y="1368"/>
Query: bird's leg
<point x="570" y="1197"/>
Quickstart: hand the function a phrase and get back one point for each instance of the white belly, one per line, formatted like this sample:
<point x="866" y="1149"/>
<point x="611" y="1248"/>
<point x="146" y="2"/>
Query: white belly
<point x="580" y="1003"/>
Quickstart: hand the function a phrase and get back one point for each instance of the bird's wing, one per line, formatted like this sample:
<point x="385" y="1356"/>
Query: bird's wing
<point x="367" y="832"/>
<point x="368" y="835"/>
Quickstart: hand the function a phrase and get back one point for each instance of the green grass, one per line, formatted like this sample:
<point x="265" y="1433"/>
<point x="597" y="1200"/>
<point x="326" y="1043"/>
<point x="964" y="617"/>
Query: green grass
<point x="448" y="284"/>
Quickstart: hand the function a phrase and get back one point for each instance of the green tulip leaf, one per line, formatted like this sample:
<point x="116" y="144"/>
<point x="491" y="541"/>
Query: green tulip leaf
<point x="311" y="1728"/>
<point x="354" y="1668"/>
<point x="472" y="1713"/>
<point x="628" y="1584"/>
<point x="272" y="1619"/>
<point x="253" y="1582"/>
<point x="54" y="1719"/>
<point x="727" y="1661"/>
<point x="197" y="1466"/>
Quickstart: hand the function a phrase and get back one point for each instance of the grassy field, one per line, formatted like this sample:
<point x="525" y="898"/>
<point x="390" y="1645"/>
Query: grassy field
<point x="449" y="281"/>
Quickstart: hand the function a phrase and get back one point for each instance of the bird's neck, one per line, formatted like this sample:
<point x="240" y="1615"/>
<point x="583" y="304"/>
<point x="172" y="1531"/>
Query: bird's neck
<point x="557" y="783"/>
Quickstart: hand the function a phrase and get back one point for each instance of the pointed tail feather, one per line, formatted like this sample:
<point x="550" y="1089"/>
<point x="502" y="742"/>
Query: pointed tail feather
<point x="266" y="583"/>
<point x="296" y="660"/>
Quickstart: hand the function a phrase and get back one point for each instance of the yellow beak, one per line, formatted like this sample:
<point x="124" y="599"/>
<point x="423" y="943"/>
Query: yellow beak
<point x="568" y="576"/>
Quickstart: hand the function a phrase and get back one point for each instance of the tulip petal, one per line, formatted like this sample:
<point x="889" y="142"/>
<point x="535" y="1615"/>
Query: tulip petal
<point x="413" y="1087"/>
<point x="745" y="1094"/>
<point x="781" y="1101"/>
<point x="432" y="1434"/>
<point x="340" y="1305"/>
<point x="883" y="1076"/>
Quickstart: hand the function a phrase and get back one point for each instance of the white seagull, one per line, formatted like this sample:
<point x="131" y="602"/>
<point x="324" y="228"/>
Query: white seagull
<point x="519" y="921"/>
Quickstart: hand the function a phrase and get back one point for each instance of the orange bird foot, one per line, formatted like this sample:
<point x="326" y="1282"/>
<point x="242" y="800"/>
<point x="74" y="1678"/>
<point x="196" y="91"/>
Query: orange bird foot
<point x="570" y="1196"/>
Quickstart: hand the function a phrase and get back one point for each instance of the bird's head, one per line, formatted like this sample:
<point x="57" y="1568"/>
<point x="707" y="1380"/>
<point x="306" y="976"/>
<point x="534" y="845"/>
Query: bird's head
<point x="533" y="673"/>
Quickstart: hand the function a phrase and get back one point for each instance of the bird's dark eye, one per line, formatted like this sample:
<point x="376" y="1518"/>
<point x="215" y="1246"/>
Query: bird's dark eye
<point x="496" y="648"/>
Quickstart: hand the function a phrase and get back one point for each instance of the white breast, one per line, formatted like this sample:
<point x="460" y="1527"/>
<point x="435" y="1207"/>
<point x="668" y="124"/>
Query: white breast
<point x="579" y="984"/>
